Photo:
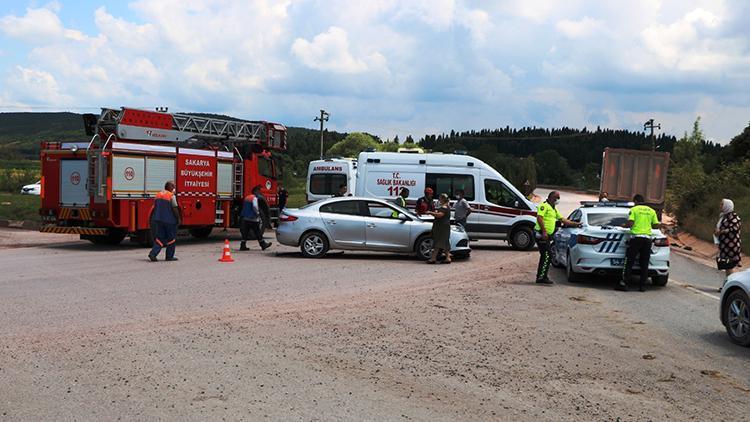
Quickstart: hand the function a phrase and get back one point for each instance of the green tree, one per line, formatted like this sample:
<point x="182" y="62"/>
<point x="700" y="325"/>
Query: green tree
<point x="552" y="168"/>
<point x="353" y="144"/>
<point x="687" y="179"/>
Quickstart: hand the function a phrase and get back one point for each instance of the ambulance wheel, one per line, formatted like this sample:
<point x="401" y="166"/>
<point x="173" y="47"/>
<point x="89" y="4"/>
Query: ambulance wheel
<point x="522" y="238"/>
<point x="423" y="248"/>
<point x="313" y="244"/>
<point x="113" y="237"/>
<point x="201" y="232"/>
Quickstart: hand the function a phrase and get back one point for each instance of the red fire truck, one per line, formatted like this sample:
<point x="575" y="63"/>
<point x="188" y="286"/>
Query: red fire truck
<point x="104" y="189"/>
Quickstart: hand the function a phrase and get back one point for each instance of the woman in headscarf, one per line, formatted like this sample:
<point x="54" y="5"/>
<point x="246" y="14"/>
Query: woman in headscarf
<point x="441" y="230"/>
<point x="727" y="237"/>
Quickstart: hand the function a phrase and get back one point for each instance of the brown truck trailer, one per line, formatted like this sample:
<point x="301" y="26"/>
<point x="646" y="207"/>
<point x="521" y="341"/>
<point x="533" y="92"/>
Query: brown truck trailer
<point x="627" y="172"/>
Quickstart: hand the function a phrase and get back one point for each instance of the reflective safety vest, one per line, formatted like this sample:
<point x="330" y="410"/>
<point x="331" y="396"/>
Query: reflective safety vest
<point x="163" y="212"/>
<point x="248" y="210"/>
<point x="399" y="201"/>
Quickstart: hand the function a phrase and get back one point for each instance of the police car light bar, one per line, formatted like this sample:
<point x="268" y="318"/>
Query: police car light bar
<point x="606" y="204"/>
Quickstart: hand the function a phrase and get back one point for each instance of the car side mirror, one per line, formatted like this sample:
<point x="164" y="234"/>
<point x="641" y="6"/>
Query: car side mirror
<point x="403" y="217"/>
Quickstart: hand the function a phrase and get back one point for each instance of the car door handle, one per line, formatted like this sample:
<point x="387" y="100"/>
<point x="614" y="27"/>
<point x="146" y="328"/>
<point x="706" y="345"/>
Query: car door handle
<point x="332" y="222"/>
<point x="371" y="225"/>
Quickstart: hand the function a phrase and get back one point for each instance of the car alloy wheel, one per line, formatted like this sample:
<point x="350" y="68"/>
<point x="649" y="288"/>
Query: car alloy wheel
<point x="738" y="318"/>
<point x="424" y="248"/>
<point x="314" y="245"/>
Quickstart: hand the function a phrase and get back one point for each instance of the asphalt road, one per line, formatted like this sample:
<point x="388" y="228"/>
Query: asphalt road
<point x="58" y="293"/>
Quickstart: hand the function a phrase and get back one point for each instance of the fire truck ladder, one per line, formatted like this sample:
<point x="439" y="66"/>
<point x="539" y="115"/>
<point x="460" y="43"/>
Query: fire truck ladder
<point x="143" y="125"/>
<point x="97" y="168"/>
<point x="238" y="176"/>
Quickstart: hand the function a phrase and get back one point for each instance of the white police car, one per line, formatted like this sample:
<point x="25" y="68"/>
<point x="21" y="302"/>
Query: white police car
<point x="598" y="247"/>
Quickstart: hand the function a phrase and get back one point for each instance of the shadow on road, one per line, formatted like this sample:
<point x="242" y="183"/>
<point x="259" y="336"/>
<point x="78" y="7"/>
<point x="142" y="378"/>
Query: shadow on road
<point x="600" y="282"/>
<point x="720" y="339"/>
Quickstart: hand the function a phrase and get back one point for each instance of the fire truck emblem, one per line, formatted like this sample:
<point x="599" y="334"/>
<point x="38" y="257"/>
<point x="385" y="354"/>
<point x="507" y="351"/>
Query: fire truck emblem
<point x="129" y="173"/>
<point x="75" y="178"/>
<point x="268" y="184"/>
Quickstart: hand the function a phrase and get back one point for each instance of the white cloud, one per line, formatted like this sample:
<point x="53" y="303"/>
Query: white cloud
<point x="329" y="51"/>
<point x="583" y="28"/>
<point x="38" y="25"/>
<point x="420" y="64"/>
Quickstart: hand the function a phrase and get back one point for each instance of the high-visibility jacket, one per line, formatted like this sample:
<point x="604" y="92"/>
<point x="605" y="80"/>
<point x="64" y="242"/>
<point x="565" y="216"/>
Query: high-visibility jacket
<point x="250" y="208"/>
<point x="643" y="218"/>
<point x="163" y="212"/>
<point x="550" y="215"/>
<point x="401" y="202"/>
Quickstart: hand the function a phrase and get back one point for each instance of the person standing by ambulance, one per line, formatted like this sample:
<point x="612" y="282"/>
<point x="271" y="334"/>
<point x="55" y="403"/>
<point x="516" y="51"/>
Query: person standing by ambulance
<point x="461" y="209"/>
<point x="251" y="222"/>
<point x="165" y="217"/>
<point x="547" y="217"/>
<point x="641" y="220"/>
<point x="400" y="201"/>
<point x="425" y="204"/>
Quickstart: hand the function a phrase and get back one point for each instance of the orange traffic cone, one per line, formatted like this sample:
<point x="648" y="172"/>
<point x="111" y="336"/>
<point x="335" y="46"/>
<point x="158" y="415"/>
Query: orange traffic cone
<point x="226" y="255"/>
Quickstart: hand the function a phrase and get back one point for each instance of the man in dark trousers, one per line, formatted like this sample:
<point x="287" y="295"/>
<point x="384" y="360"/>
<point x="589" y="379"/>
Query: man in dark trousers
<point x="547" y="217"/>
<point x="251" y="222"/>
<point x="165" y="216"/>
<point x="641" y="220"/>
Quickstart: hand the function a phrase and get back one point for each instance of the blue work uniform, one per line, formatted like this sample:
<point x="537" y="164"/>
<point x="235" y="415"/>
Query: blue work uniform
<point x="165" y="222"/>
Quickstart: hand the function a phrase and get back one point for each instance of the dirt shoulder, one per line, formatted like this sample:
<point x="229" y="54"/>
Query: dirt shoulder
<point x="483" y="344"/>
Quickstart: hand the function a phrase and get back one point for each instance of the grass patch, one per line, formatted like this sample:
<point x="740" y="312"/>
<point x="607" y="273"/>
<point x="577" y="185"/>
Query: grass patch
<point x="297" y="197"/>
<point x="14" y="206"/>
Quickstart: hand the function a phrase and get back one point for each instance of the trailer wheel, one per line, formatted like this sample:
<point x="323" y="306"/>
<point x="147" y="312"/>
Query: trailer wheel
<point x="113" y="237"/>
<point x="201" y="232"/>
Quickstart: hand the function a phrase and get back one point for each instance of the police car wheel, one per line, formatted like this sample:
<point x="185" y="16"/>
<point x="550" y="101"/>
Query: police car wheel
<point x="736" y="313"/>
<point x="660" y="280"/>
<point x="423" y="248"/>
<point x="573" y="277"/>
<point x="313" y="245"/>
<point x="555" y="258"/>
<point x="522" y="238"/>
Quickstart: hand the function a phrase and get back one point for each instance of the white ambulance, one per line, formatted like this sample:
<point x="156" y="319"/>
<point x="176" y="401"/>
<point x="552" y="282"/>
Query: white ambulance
<point x="324" y="177"/>
<point x="499" y="210"/>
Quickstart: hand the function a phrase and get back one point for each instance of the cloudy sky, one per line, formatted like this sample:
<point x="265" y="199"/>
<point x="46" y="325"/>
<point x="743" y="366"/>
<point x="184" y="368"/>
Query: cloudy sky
<point x="389" y="67"/>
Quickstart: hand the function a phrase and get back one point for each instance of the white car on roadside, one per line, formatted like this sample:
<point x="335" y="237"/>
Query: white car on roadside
<point x="598" y="247"/>
<point x="33" y="189"/>
<point x="734" y="307"/>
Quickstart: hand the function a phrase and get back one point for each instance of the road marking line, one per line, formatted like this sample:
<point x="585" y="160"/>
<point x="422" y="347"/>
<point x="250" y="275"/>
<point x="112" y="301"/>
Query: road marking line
<point x="693" y="289"/>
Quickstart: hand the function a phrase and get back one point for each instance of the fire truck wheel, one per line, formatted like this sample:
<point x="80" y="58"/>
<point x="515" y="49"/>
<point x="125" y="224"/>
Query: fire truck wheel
<point x="313" y="244"/>
<point x="114" y="237"/>
<point x="201" y="232"/>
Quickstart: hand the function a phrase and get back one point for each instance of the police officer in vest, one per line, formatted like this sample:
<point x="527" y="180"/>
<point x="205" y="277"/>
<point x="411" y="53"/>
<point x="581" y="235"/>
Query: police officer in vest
<point x="400" y="201"/>
<point x="547" y="217"/>
<point x="251" y="222"/>
<point x="641" y="220"/>
<point x="165" y="216"/>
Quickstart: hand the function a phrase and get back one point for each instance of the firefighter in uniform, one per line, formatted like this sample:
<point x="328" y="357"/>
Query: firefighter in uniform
<point x="165" y="216"/>
<point x="546" y="222"/>
<point x="251" y="222"/>
<point x="641" y="220"/>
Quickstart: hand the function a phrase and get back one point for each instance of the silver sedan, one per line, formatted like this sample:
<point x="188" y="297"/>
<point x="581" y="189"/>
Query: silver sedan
<point x="353" y="223"/>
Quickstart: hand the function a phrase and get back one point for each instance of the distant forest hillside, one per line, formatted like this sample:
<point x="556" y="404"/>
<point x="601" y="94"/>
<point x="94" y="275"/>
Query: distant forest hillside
<point x="562" y="156"/>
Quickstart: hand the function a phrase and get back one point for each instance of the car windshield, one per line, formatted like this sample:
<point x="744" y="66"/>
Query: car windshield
<point x="607" y="219"/>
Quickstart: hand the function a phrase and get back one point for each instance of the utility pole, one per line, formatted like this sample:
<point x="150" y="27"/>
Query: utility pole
<point x="323" y="118"/>
<point x="650" y="125"/>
